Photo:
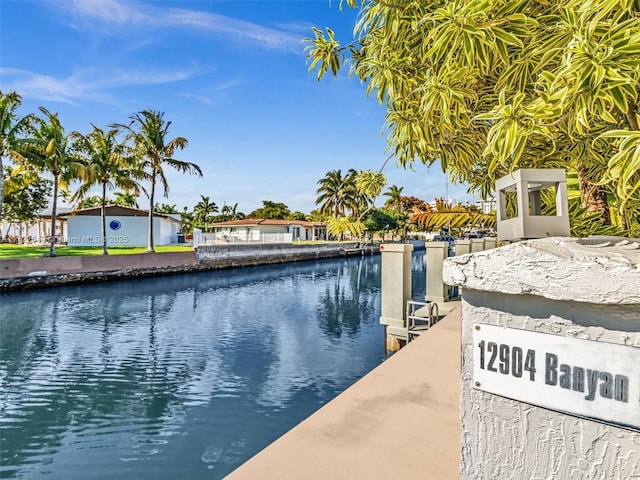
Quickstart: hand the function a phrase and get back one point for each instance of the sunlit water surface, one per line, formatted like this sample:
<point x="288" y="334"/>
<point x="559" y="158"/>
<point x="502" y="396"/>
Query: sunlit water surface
<point x="180" y="377"/>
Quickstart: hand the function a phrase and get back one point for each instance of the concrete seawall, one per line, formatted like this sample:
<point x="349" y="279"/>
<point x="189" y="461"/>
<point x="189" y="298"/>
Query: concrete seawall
<point x="224" y="256"/>
<point x="29" y="273"/>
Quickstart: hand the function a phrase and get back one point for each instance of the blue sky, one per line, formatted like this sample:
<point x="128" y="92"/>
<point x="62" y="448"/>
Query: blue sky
<point x="230" y="75"/>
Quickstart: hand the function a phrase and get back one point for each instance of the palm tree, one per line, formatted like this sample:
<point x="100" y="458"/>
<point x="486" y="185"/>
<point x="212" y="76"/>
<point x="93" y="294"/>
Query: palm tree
<point x="48" y="150"/>
<point x="90" y="202"/>
<point x="126" y="199"/>
<point x="166" y="208"/>
<point x="395" y="197"/>
<point x="235" y="214"/>
<point x="227" y="212"/>
<point x="336" y="193"/>
<point x="369" y="185"/>
<point x="106" y="165"/>
<point x="330" y="193"/>
<point x="64" y="195"/>
<point x="203" y="210"/>
<point x="10" y="128"/>
<point x="356" y="199"/>
<point x="149" y="130"/>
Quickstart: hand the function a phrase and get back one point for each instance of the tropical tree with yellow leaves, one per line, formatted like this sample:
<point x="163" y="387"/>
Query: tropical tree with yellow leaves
<point x="451" y="215"/>
<point x="47" y="149"/>
<point x="490" y="87"/>
<point x="12" y="127"/>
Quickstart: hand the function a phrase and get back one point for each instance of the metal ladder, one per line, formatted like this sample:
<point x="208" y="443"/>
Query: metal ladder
<point x="419" y="317"/>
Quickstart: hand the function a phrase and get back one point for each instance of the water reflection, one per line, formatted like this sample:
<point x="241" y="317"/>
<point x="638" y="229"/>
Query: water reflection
<point x="351" y="300"/>
<point x="178" y="377"/>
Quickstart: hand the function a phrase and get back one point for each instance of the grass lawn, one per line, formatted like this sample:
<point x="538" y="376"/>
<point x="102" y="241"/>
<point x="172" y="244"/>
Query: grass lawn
<point x="9" y="250"/>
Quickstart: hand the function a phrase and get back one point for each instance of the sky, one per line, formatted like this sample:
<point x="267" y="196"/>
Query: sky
<point x="232" y="77"/>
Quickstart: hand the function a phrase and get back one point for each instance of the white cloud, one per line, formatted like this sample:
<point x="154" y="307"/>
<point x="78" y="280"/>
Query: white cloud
<point x="107" y="11"/>
<point x="302" y="27"/>
<point x="207" y="100"/>
<point x="45" y="87"/>
<point x="123" y="13"/>
<point x="90" y="84"/>
<point x="221" y="87"/>
<point x="220" y="93"/>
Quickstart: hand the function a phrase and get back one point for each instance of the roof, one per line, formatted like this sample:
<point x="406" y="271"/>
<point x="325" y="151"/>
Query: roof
<point x="117" y="210"/>
<point x="60" y="211"/>
<point x="265" y="221"/>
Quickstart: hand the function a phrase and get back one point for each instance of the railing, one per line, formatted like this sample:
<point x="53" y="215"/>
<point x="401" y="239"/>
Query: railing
<point x="419" y="317"/>
<point x="201" y="238"/>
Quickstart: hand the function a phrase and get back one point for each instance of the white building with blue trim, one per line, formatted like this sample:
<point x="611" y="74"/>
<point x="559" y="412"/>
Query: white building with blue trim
<point x="127" y="227"/>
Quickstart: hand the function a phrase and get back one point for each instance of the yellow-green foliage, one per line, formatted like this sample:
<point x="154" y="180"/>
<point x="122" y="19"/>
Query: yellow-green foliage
<point x="488" y="87"/>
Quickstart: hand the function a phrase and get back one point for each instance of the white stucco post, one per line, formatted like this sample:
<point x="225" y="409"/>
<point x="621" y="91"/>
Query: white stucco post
<point x="550" y="359"/>
<point x="462" y="246"/>
<point x="396" y="288"/>
<point x="477" y="244"/>
<point x="489" y="242"/>
<point x="437" y="252"/>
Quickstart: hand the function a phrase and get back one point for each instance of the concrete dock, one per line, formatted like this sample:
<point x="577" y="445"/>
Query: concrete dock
<point x="402" y="420"/>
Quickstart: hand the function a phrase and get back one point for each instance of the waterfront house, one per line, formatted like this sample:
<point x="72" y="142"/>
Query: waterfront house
<point x="36" y="231"/>
<point x="263" y="230"/>
<point x="125" y="227"/>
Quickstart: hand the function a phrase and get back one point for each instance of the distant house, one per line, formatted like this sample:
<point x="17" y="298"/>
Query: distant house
<point x="125" y="227"/>
<point x="254" y="230"/>
<point x="37" y="231"/>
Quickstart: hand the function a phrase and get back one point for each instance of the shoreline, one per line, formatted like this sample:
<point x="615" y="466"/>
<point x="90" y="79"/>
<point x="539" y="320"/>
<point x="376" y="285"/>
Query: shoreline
<point x="34" y="273"/>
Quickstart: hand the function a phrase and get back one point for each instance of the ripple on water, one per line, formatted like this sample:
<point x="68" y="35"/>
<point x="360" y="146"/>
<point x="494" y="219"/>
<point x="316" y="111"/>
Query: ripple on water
<point x="212" y="454"/>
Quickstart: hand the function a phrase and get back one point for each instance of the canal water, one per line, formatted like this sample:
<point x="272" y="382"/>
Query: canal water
<point x="180" y="377"/>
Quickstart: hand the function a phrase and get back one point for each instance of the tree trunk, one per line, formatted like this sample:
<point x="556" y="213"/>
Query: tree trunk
<point x="594" y="197"/>
<point x="150" y="247"/>
<point x="52" y="245"/>
<point x="103" y="217"/>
